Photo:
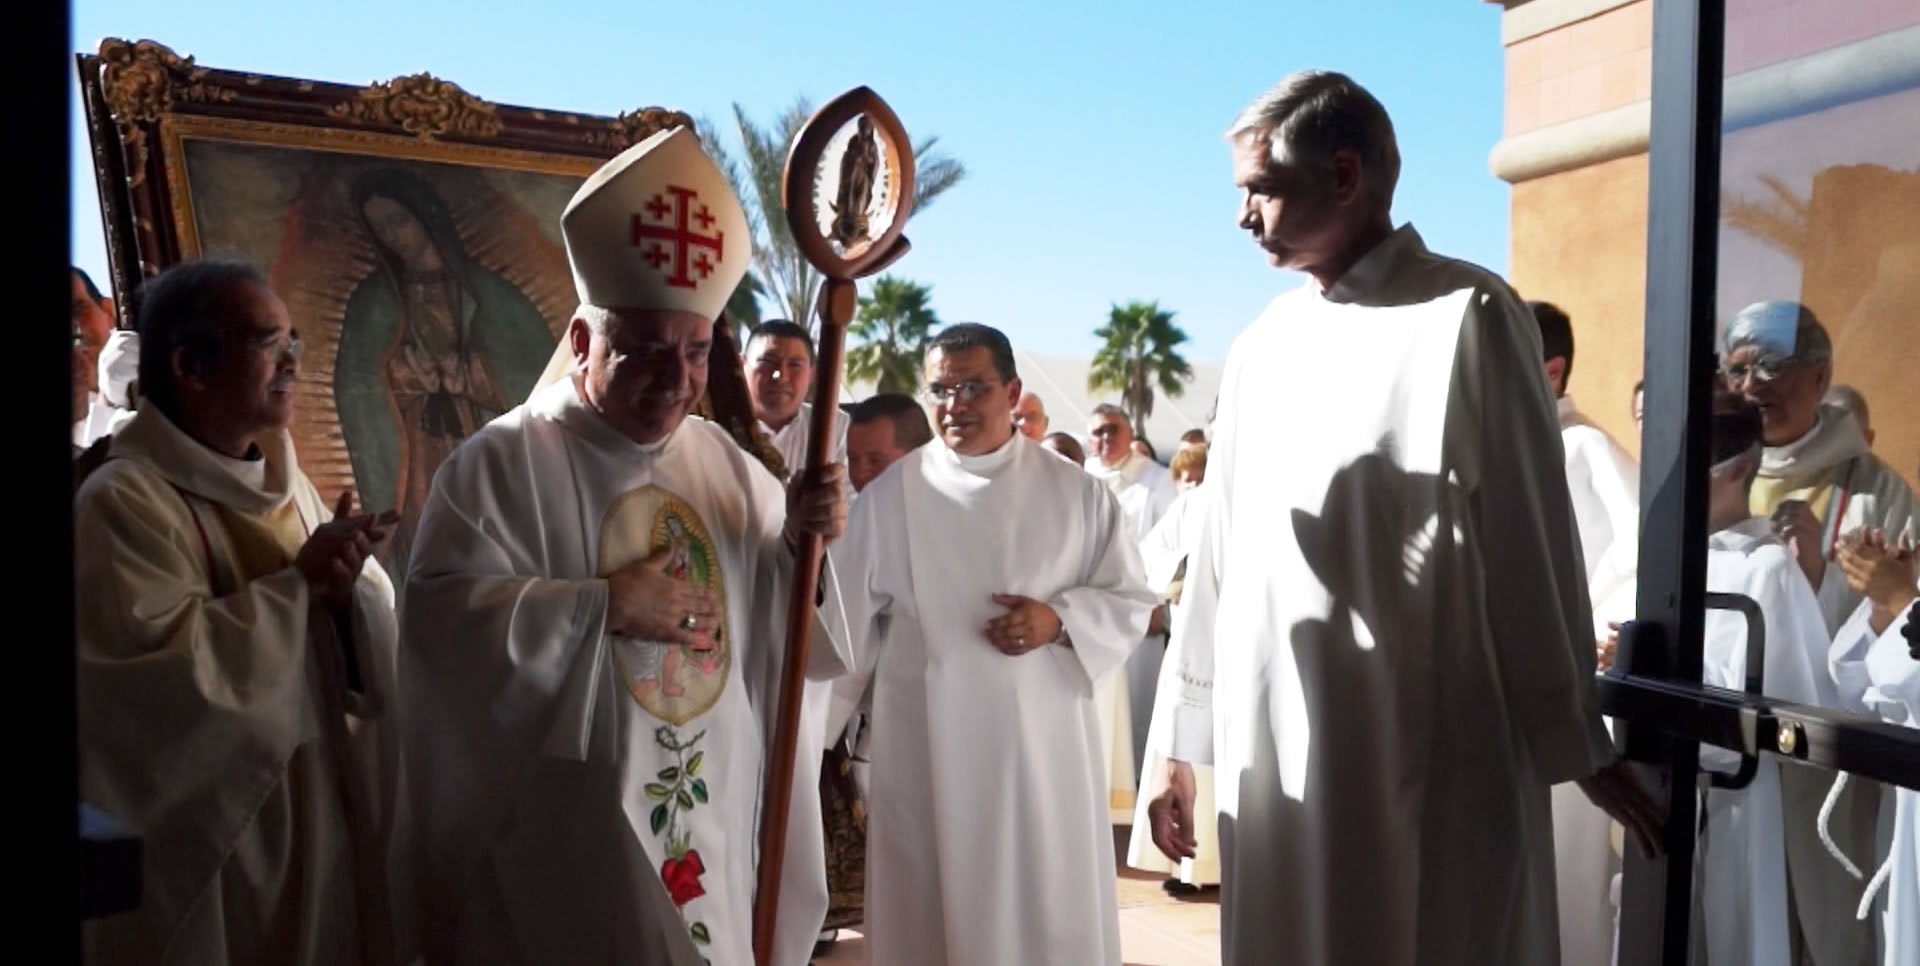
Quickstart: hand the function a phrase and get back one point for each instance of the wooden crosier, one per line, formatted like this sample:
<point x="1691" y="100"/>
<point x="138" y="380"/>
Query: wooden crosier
<point x="874" y="181"/>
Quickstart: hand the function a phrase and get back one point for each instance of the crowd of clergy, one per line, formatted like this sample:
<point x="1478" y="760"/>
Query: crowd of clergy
<point x="1378" y="625"/>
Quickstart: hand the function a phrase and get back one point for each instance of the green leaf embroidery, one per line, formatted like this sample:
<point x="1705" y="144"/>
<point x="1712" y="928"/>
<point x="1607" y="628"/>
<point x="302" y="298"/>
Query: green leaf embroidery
<point x="700" y="934"/>
<point x="670" y="774"/>
<point x="657" y="792"/>
<point x="685" y="800"/>
<point x="693" y="764"/>
<point x="700" y="790"/>
<point x="658" y="820"/>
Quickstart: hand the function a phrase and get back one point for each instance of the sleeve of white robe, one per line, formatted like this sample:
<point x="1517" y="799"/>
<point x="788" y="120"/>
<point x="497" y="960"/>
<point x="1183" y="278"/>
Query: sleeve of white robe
<point x="1106" y="615"/>
<point x="499" y="664"/>
<point x="193" y="704"/>
<point x="864" y="600"/>
<point x="1612" y="480"/>
<point x="1506" y="438"/>
<point x="1189" y="735"/>
<point x="1876" y="673"/>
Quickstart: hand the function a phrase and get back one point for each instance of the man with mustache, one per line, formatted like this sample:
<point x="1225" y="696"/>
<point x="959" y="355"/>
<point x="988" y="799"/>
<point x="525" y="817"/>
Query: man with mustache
<point x="1386" y="638"/>
<point x="577" y="556"/>
<point x="234" y="623"/>
<point x="988" y="586"/>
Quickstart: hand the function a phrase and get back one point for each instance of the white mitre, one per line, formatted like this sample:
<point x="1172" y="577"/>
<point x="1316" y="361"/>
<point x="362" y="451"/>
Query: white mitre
<point x="657" y="227"/>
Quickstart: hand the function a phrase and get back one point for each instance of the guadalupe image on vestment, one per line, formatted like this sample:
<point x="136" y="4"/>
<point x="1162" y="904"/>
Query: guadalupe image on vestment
<point x="673" y="682"/>
<point x="429" y="297"/>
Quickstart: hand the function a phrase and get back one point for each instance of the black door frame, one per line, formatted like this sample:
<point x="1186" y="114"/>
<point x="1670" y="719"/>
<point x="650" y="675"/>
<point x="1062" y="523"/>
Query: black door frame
<point x="1662" y="712"/>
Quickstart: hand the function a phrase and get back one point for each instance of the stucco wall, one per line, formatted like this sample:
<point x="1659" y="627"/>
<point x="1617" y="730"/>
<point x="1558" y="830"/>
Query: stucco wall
<point x="1580" y="241"/>
<point x="1848" y="241"/>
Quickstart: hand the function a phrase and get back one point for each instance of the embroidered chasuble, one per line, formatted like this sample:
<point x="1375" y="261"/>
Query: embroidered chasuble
<point x="585" y="797"/>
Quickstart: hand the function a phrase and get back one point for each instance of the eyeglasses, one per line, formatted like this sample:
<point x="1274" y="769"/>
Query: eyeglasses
<point x="278" y="346"/>
<point x="967" y="391"/>
<point x="1763" y="370"/>
<point x="1105" y="429"/>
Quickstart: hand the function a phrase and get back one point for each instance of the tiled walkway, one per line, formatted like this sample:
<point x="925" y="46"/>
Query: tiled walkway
<point x="1155" y="929"/>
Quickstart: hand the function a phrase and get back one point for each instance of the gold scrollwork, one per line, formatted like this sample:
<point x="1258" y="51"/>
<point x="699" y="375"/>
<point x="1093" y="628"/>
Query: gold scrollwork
<point x="632" y="127"/>
<point x="143" y="80"/>
<point x="422" y="105"/>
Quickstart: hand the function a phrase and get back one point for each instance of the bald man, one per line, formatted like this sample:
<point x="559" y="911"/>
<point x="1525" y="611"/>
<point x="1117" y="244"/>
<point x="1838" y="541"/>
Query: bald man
<point x="1030" y="417"/>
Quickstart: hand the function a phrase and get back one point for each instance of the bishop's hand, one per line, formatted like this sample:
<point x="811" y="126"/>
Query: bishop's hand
<point x="1028" y="624"/>
<point x="1170" y="814"/>
<point x="818" y="505"/>
<point x="1618" y="792"/>
<point x="647" y="602"/>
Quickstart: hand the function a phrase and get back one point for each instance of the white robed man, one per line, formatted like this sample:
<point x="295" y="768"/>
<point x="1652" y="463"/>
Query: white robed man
<point x="988" y="585"/>
<point x="1144" y="490"/>
<point x="1604" y="484"/>
<point x="1387" y="643"/>
<point x="1818" y="483"/>
<point x="1875" y="661"/>
<point x="779" y="360"/>
<point x="595" y="621"/>
<point x="1745" y="916"/>
<point x="233" y="622"/>
<point x="1165" y="554"/>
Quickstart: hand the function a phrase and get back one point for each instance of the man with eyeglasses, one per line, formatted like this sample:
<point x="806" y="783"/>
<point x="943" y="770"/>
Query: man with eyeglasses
<point x="1819" y="481"/>
<point x="1819" y="484"/>
<point x="989" y="585"/>
<point x="234" y="624"/>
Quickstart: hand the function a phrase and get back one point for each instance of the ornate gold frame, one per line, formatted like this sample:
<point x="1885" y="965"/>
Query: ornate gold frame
<point x="143" y="101"/>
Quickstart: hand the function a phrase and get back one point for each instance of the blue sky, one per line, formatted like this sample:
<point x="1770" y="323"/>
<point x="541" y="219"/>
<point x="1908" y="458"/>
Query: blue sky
<point x="1091" y="130"/>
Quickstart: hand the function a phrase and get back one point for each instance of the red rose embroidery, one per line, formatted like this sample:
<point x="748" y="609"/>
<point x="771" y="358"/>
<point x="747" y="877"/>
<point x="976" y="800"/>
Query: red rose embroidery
<point x="682" y="877"/>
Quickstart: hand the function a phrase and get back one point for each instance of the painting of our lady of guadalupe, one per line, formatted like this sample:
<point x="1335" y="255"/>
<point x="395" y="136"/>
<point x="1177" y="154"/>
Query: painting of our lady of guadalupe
<point x="433" y="345"/>
<point x="430" y="296"/>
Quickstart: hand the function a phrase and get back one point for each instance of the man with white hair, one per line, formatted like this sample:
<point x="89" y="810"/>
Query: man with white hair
<point x="1819" y="481"/>
<point x="596" y="610"/>
<point x="1385" y="633"/>
<point x="1819" y="484"/>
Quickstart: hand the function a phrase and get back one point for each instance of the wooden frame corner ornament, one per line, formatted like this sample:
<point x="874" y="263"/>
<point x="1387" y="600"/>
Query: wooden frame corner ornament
<point x="848" y="191"/>
<point x="192" y="160"/>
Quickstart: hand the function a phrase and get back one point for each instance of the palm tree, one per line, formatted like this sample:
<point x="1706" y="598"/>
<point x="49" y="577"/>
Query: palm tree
<point x="785" y="275"/>
<point x="1138" y="351"/>
<point x="892" y="324"/>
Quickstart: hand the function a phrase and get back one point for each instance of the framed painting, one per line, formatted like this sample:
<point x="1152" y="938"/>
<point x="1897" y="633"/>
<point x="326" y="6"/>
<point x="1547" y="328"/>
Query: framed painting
<point x="411" y="228"/>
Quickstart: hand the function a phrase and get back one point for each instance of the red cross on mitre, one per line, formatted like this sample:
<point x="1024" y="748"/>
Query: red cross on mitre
<point x="663" y="230"/>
